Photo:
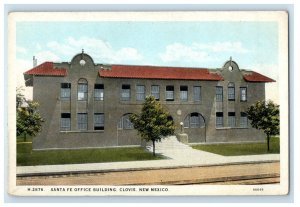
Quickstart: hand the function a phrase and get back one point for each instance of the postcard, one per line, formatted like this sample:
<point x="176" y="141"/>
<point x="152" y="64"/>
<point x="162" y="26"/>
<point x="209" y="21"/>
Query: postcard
<point x="148" y="103"/>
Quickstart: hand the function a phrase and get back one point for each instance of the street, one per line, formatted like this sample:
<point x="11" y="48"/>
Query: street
<point x="249" y="173"/>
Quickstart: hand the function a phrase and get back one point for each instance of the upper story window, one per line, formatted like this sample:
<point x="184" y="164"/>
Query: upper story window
<point x="183" y="93"/>
<point x="243" y="94"/>
<point x="231" y="92"/>
<point x="219" y="93"/>
<point x="98" y="121"/>
<point x="82" y="90"/>
<point x="155" y="91"/>
<point x="197" y="93"/>
<point x="125" y="92"/>
<point x="65" y="122"/>
<point x="231" y="119"/>
<point x="169" y="93"/>
<point x="65" y="91"/>
<point x="140" y="93"/>
<point x="99" y="92"/>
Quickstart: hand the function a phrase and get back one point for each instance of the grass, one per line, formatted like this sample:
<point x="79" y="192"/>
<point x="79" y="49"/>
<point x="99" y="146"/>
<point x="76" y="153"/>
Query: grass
<point x="21" y="138"/>
<point x="242" y="149"/>
<point x="27" y="157"/>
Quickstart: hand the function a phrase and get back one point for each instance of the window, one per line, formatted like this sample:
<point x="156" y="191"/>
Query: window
<point x="155" y="92"/>
<point x="243" y="91"/>
<point x="99" y="92"/>
<point x="219" y="93"/>
<point x="244" y="120"/>
<point x="231" y="92"/>
<point x="82" y="121"/>
<point x="197" y="93"/>
<point x="194" y="120"/>
<point x="231" y="119"/>
<point x="125" y="122"/>
<point x="98" y="121"/>
<point x="219" y="119"/>
<point x="65" y="91"/>
<point x="183" y="93"/>
<point x="169" y="93"/>
<point x="140" y="93"/>
<point x="125" y="93"/>
<point x="65" y="122"/>
<point x="82" y="90"/>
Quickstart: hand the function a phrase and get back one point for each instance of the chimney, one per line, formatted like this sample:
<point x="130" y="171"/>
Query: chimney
<point x="34" y="60"/>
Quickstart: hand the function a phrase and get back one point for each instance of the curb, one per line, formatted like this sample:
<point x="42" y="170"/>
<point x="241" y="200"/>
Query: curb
<point x="31" y="174"/>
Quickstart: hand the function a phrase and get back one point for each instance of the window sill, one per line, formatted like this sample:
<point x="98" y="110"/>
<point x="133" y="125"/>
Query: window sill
<point x="226" y="128"/>
<point x="194" y="127"/>
<point x="90" y="131"/>
<point x="163" y="102"/>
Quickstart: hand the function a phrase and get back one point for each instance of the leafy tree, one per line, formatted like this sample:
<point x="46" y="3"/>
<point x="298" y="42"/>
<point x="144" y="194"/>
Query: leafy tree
<point x="153" y="123"/>
<point x="29" y="120"/>
<point x="264" y="115"/>
<point x="20" y="99"/>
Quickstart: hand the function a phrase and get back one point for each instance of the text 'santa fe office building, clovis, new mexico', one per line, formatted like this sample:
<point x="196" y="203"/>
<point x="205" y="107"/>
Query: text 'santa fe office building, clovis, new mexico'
<point x="88" y="105"/>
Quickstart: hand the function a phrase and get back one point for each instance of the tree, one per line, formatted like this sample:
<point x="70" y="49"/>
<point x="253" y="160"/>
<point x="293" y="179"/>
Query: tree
<point x="153" y="123"/>
<point x="29" y="120"/>
<point x="20" y="99"/>
<point x="264" y="115"/>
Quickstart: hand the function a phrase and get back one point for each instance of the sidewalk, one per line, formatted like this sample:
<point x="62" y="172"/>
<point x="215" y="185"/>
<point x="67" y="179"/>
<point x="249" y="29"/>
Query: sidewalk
<point x="179" y="155"/>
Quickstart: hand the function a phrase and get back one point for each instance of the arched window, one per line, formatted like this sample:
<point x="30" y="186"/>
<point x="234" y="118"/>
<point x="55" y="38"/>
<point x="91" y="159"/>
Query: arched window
<point x="124" y="122"/>
<point x="231" y="92"/>
<point x="82" y="89"/>
<point x="194" y="120"/>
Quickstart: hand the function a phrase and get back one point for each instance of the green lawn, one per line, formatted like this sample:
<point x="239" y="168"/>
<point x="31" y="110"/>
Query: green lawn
<point x="27" y="157"/>
<point x="242" y="149"/>
<point x="22" y="139"/>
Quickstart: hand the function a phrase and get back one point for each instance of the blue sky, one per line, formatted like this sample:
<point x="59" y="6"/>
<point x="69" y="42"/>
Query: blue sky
<point x="253" y="45"/>
<point x="210" y="44"/>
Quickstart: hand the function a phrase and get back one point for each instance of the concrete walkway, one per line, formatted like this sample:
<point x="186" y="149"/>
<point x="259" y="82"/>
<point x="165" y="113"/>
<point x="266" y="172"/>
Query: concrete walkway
<point x="179" y="155"/>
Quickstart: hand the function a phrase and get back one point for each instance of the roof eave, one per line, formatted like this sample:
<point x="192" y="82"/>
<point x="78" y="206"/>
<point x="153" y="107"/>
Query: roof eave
<point x="28" y="79"/>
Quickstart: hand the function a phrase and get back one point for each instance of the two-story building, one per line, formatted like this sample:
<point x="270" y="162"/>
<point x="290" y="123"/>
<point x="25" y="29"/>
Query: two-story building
<point x="88" y="105"/>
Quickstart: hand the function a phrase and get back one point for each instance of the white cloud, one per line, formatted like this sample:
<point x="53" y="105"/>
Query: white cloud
<point x="235" y="47"/>
<point x="127" y="53"/>
<point x="100" y="50"/>
<point x="272" y="92"/>
<point x="38" y="46"/>
<point x="46" y="56"/>
<point x="181" y="52"/>
<point x="21" y="50"/>
<point x="21" y="67"/>
<point x="271" y="71"/>
<point x="199" y="52"/>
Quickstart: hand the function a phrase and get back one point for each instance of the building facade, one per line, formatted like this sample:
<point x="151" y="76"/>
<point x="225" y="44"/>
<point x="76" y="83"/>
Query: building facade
<point x="87" y="105"/>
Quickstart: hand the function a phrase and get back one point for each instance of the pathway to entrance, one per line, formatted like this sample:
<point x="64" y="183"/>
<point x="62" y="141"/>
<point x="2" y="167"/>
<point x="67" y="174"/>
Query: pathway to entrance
<point x="175" y="150"/>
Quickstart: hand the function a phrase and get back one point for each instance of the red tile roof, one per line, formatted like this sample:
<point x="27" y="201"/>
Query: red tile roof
<point x="46" y="69"/>
<point x="158" y="72"/>
<point x="257" y="77"/>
